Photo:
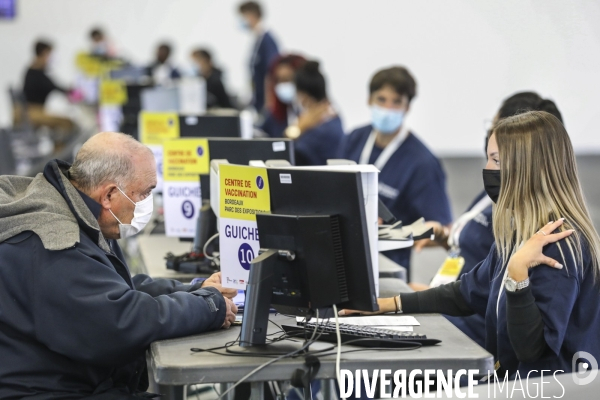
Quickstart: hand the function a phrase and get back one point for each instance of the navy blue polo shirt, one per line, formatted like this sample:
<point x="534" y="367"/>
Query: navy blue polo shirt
<point x="412" y="184"/>
<point x="568" y="300"/>
<point x="475" y="241"/>
<point x="317" y="145"/>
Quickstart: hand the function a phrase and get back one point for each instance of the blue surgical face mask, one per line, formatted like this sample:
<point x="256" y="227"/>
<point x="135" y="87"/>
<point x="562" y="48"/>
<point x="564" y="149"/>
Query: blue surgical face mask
<point x="243" y="24"/>
<point x="286" y="92"/>
<point x="385" y="120"/>
<point x="196" y="70"/>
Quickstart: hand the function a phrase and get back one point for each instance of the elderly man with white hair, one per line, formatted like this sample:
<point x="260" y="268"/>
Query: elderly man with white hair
<point x="73" y="322"/>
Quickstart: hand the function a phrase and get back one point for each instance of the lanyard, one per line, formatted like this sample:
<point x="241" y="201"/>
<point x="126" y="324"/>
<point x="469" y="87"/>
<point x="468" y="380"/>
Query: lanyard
<point x="461" y="222"/>
<point x="389" y="150"/>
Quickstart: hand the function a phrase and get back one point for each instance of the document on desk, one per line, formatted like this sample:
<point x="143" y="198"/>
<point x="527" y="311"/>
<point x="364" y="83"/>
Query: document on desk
<point x="371" y="320"/>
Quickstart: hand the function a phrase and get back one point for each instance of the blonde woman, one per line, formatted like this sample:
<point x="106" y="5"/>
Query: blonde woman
<point x="538" y="289"/>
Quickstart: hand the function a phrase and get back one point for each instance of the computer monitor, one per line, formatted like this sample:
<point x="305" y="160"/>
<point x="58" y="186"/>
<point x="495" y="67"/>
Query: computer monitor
<point x="132" y="108"/>
<point x="315" y="250"/>
<point x="129" y="73"/>
<point x="210" y="126"/>
<point x="160" y="99"/>
<point x="242" y="151"/>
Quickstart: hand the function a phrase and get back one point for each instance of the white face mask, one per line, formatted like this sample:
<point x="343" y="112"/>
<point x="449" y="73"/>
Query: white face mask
<point x="141" y="216"/>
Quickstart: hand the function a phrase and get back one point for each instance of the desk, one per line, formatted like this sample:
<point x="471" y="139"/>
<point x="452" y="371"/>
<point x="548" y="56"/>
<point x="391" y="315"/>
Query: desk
<point x="172" y="363"/>
<point x="154" y="248"/>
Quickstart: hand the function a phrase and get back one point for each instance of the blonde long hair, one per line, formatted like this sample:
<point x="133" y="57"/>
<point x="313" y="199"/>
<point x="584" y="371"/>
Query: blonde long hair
<point x="539" y="184"/>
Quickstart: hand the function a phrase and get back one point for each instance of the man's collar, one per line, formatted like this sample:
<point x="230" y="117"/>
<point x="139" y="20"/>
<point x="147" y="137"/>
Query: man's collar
<point x="92" y="204"/>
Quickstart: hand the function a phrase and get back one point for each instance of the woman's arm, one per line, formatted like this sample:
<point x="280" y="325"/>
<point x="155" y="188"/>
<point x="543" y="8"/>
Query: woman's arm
<point x="444" y="299"/>
<point x="525" y="325"/>
<point x="524" y="319"/>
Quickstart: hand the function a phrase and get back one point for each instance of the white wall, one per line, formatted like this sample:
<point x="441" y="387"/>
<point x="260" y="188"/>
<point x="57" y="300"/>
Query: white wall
<point x="467" y="55"/>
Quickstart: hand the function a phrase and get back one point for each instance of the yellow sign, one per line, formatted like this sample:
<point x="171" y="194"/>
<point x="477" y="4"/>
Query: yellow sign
<point x="244" y="192"/>
<point x="113" y="92"/>
<point x="157" y="127"/>
<point x="184" y="160"/>
<point x="95" y="67"/>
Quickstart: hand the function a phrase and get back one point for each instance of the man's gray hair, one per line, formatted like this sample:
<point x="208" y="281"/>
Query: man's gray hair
<point x="108" y="161"/>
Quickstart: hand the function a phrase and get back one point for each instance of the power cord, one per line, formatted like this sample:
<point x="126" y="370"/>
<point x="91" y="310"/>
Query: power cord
<point x="339" y="347"/>
<point x="213" y="237"/>
<point x="260" y="367"/>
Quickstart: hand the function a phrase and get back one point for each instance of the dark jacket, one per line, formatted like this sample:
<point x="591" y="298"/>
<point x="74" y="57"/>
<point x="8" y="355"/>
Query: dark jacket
<point x="216" y="95"/>
<point x="264" y="52"/>
<point x="73" y="322"/>
<point x="38" y="86"/>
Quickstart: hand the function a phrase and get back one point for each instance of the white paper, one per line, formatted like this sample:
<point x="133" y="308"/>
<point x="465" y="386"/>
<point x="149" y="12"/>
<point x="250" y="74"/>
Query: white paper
<point x="399" y="328"/>
<point x="370" y="320"/>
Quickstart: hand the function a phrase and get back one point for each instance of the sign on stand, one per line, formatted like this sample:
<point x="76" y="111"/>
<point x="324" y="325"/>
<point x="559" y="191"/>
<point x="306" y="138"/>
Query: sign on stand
<point x="244" y="192"/>
<point x="183" y="162"/>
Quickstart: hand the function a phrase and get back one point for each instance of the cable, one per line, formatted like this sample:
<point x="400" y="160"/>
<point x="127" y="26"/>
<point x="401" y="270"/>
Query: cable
<point x="260" y="367"/>
<point x="339" y="347"/>
<point x="213" y="237"/>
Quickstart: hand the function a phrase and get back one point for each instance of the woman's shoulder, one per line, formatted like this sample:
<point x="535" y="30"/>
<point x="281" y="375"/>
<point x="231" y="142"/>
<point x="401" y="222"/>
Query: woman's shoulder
<point x="573" y="253"/>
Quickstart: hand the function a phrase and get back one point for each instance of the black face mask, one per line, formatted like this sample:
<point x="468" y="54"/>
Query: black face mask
<point x="491" y="182"/>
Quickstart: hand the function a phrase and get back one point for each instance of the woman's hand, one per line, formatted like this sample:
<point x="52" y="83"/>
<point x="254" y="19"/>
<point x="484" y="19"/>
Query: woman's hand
<point x="313" y="116"/>
<point x="530" y="254"/>
<point x="440" y="235"/>
<point x="386" y="305"/>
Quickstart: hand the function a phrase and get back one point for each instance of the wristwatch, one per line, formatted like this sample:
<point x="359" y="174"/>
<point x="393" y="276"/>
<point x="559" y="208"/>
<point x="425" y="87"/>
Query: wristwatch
<point x="512" y="286"/>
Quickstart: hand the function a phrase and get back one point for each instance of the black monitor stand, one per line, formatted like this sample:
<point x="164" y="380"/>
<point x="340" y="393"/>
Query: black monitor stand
<point x="259" y="294"/>
<point x="300" y="269"/>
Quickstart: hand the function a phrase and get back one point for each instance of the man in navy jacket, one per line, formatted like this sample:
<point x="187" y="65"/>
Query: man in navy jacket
<point x="265" y="50"/>
<point x="73" y="322"/>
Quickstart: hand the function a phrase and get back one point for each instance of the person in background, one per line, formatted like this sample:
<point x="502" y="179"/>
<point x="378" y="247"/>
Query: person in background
<point x="538" y="286"/>
<point x="37" y="87"/>
<point x="100" y="44"/>
<point x="216" y="95"/>
<point x="471" y="236"/>
<point x="265" y="50"/>
<point x="318" y="132"/>
<point x="161" y="70"/>
<point x="282" y="110"/>
<point x="412" y="183"/>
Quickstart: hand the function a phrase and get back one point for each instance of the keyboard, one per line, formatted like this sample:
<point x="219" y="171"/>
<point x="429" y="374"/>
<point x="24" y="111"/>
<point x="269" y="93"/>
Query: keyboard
<point x="363" y="336"/>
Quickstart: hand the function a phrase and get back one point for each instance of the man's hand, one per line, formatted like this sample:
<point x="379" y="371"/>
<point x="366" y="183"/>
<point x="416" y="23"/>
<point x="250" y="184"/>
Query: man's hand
<point x="230" y="314"/>
<point x="215" y="281"/>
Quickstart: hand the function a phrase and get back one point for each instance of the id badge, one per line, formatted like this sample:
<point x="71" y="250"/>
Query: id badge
<point x="449" y="271"/>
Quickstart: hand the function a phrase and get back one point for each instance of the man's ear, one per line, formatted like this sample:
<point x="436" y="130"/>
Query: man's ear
<point x="106" y="195"/>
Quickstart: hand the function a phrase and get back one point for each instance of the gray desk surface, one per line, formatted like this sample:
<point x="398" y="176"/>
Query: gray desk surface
<point x="173" y="363"/>
<point x="154" y="248"/>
